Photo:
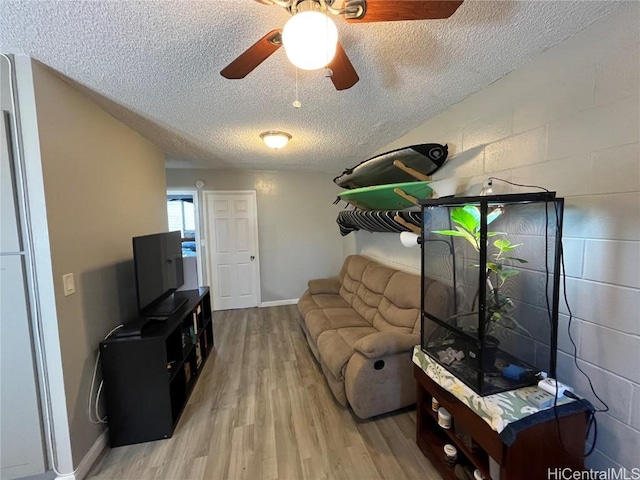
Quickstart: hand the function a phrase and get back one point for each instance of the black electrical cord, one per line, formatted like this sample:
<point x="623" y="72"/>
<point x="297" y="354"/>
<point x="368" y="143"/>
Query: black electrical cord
<point x="592" y="410"/>
<point x="592" y="422"/>
<point x="573" y="343"/>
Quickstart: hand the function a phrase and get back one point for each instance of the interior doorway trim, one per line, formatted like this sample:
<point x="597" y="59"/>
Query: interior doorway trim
<point x="200" y="264"/>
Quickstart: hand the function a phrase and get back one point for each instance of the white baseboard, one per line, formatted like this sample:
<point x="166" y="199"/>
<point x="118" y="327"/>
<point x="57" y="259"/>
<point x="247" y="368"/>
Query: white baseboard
<point x="68" y="476"/>
<point x="278" y="303"/>
<point x="92" y="455"/>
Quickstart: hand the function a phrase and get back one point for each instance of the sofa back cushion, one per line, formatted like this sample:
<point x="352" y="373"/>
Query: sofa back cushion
<point x="355" y="267"/>
<point x="390" y="299"/>
<point x="343" y="269"/>
<point x="371" y="290"/>
<point x="438" y="301"/>
<point x="400" y="306"/>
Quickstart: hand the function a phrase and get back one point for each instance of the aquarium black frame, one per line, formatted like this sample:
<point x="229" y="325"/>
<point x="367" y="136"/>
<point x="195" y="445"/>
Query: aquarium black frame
<point x="483" y="202"/>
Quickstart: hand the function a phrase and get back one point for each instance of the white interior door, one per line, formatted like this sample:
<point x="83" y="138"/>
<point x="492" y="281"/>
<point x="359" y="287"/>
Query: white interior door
<point x="232" y="245"/>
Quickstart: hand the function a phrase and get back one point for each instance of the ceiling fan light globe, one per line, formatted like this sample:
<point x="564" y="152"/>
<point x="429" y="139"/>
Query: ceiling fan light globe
<point x="310" y="40"/>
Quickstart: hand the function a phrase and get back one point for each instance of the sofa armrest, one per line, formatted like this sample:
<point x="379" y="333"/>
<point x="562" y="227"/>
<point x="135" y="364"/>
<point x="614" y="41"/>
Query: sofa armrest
<point x="324" y="285"/>
<point x="385" y="343"/>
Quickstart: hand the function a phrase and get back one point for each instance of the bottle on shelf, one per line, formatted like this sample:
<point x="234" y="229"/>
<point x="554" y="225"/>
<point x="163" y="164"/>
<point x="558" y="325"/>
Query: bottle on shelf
<point x="444" y="418"/>
<point x="450" y="454"/>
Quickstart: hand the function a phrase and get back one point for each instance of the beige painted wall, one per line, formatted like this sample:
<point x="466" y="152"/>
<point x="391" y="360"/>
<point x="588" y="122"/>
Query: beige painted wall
<point x="103" y="184"/>
<point x="568" y="121"/>
<point x="297" y="231"/>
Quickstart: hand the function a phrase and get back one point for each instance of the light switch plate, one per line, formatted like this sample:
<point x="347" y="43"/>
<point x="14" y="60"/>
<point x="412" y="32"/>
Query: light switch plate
<point x="69" y="284"/>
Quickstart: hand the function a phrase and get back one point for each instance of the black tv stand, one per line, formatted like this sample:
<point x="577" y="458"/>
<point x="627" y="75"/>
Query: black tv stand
<point x="160" y="312"/>
<point x="148" y="377"/>
<point x="137" y="327"/>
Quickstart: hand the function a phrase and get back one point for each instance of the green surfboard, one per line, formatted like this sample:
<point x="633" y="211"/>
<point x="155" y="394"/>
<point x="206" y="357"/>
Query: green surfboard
<point x="386" y="197"/>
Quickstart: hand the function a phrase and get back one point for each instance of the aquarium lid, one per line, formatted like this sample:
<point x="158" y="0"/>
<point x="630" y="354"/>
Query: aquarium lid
<point x="500" y="199"/>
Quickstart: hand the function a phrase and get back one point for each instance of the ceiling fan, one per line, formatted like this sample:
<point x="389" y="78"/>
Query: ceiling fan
<point x="297" y="38"/>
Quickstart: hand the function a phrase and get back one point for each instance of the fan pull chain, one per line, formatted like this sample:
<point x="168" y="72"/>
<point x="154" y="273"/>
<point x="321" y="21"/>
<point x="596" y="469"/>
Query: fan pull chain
<point x="296" y="102"/>
<point x="328" y="73"/>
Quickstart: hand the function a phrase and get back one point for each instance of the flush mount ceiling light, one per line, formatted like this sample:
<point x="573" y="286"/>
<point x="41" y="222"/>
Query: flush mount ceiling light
<point x="275" y="139"/>
<point x="310" y="38"/>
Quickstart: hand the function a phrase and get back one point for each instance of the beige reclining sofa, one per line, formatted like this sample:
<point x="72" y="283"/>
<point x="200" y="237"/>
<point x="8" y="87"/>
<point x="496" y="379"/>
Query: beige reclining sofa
<point x="361" y="327"/>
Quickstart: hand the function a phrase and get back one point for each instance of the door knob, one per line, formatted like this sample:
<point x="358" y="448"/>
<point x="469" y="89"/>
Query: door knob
<point x="252" y="257"/>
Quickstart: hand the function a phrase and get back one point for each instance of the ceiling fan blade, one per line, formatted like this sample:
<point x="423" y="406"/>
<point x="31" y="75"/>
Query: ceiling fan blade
<point x="253" y="56"/>
<point x="344" y="75"/>
<point x="393" y="10"/>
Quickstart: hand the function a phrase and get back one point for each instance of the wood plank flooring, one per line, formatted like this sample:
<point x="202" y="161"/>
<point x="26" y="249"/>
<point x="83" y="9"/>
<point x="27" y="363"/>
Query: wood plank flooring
<point x="262" y="411"/>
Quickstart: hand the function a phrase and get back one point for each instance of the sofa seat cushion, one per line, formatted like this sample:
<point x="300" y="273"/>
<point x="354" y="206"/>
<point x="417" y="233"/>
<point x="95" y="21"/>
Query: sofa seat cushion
<point x="336" y="347"/>
<point x="310" y="302"/>
<point x="321" y="320"/>
<point x="326" y="301"/>
<point x="306" y="304"/>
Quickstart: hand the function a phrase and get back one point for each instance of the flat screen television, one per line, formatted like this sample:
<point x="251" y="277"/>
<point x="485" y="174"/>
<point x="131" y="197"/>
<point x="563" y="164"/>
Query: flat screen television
<point x="159" y="273"/>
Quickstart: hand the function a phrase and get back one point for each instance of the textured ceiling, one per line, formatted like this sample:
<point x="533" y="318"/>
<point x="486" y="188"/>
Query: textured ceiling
<point x="155" y="65"/>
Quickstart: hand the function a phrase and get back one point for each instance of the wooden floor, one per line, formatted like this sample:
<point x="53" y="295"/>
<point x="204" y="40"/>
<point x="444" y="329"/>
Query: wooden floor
<point x="262" y="410"/>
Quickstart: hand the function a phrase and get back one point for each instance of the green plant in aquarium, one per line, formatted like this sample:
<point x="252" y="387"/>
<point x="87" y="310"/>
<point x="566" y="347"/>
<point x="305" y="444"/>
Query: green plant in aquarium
<point x="498" y="305"/>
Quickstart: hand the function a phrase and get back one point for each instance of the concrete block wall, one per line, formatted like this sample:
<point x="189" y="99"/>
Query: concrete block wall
<point x="569" y="121"/>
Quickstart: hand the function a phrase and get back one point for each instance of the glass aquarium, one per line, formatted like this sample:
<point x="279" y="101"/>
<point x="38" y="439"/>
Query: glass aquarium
<point x="500" y="255"/>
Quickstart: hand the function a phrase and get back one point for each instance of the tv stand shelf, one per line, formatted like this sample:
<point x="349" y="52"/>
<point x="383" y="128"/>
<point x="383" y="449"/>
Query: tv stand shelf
<point x="148" y="378"/>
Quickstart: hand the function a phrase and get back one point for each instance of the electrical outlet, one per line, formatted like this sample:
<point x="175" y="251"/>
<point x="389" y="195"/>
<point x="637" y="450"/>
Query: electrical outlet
<point x="69" y="284"/>
<point x="551" y="385"/>
<point x="541" y="399"/>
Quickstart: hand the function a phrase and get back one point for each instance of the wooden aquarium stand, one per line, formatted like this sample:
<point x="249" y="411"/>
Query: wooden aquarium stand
<point x="535" y="451"/>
